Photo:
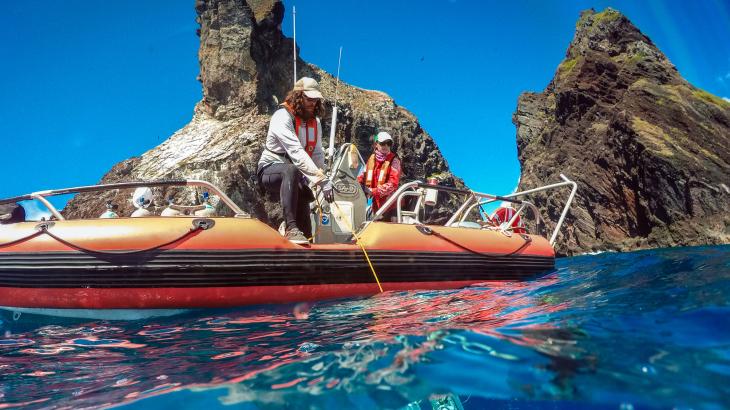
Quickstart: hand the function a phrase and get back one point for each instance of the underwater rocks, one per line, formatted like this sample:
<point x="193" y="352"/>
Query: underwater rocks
<point x="245" y="70"/>
<point x="650" y="152"/>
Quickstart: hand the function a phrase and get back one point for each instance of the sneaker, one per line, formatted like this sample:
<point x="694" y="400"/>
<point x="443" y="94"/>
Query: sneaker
<point x="296" y="236"/>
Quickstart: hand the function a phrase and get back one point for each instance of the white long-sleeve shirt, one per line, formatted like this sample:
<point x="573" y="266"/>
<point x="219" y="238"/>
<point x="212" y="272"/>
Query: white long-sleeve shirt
<point x="282" y="139"/>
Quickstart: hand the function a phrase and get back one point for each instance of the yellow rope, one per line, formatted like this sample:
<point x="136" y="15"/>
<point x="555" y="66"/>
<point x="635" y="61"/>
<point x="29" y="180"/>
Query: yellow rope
<point x="357" y="240"/>
<point x="316" y="225"/>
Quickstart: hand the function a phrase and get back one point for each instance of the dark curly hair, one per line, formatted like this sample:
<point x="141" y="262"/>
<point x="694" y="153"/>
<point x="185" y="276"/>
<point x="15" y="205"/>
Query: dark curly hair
<point x="295" y="101"/>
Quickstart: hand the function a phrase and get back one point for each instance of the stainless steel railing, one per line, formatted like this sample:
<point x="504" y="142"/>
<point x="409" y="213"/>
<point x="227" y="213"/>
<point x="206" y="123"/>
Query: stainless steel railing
<point x="41" y="196"/>
<point x="474" y="199"/>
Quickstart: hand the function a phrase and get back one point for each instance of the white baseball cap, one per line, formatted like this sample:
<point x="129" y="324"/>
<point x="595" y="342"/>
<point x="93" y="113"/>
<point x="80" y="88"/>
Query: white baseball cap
<point x="310" y="86"/>
<point x="383" y="136"/>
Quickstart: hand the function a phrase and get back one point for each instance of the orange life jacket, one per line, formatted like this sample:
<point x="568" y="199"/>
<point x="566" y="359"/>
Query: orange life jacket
<point x="382" y="172"/>
<point x="308" y="133"/>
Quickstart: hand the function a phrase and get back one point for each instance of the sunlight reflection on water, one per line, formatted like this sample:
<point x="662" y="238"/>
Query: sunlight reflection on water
<point x="609" y="330"/>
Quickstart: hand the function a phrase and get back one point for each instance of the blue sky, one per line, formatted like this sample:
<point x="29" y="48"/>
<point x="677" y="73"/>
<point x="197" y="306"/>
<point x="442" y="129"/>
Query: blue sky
<point x="90" y="83"/>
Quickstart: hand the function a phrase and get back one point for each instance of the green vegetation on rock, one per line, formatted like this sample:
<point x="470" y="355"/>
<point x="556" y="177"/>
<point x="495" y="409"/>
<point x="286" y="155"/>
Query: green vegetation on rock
<point x="656" y="138"/>
<point x="566" y="67"/>
<point x="639" y="56"/>
<point x="605" y="16"/>
<point x="710" y="98"/>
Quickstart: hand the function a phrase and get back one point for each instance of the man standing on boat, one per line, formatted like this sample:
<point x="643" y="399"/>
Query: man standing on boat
<point x="293" y="155"/>
<point x="382" y="174"/>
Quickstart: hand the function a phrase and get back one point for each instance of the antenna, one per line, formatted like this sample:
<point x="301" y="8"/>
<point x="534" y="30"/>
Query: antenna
<point x="294" y="21"/>
<point x="333" y="126"/>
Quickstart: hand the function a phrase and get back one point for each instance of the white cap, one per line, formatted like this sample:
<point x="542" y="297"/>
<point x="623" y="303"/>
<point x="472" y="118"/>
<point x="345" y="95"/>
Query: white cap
<point x="142" y="197"/>
<point x="383" y="136"/>
<point x="505" y="204"/>
<point x="310" y="86"/>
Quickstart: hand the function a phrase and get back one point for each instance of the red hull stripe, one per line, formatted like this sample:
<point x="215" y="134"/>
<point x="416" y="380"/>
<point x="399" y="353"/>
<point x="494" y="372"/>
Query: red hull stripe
<point x="213" y="297"/>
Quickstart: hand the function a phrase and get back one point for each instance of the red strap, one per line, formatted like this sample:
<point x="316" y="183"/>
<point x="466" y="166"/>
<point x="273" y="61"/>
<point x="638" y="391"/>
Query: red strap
<point x="311" y="134"/>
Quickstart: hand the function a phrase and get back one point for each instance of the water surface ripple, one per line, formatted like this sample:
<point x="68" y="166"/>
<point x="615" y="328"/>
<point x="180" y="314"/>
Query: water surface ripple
<point x="646" y="329"/>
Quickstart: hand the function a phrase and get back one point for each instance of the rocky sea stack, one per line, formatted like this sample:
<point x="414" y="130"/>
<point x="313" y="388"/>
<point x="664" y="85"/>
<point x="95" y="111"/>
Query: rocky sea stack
<point x="245" y="69"/>
<point x="651" y="152"/>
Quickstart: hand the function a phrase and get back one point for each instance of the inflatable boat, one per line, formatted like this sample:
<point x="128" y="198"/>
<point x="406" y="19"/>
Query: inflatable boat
<point x="111" y="266"/>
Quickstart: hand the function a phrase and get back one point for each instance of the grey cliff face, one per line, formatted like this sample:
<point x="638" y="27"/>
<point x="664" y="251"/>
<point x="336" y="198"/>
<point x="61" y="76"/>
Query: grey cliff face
<point x="651" y="152"/>
<point x="245" y="68"/>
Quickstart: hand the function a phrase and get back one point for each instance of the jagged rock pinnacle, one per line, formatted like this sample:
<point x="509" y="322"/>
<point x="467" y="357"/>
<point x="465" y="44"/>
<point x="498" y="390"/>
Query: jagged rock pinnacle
<point x="650" y="151"/>
<point x="245" y="68"/>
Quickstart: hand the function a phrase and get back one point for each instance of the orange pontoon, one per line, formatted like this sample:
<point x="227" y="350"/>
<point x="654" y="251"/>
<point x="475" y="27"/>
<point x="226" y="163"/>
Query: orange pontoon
<point x="95" y="267"/>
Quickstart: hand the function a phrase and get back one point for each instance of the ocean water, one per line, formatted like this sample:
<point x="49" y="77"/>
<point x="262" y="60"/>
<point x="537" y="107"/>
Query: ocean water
<point x="648" y="329"/>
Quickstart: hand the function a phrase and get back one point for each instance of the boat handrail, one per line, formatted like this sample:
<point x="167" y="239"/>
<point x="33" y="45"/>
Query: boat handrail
<point x="412" y="214"/>
<point x="525" y="205"/>
<point x="473" y="199"/>
<point x="41" y="195"/>
<point x="396" y="195"/>
<point x="568" y="202"/>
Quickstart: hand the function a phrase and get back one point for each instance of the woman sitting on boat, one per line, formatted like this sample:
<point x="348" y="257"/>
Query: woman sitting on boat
<point x="381" y="175"/>
<point x="293" y="155"/>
